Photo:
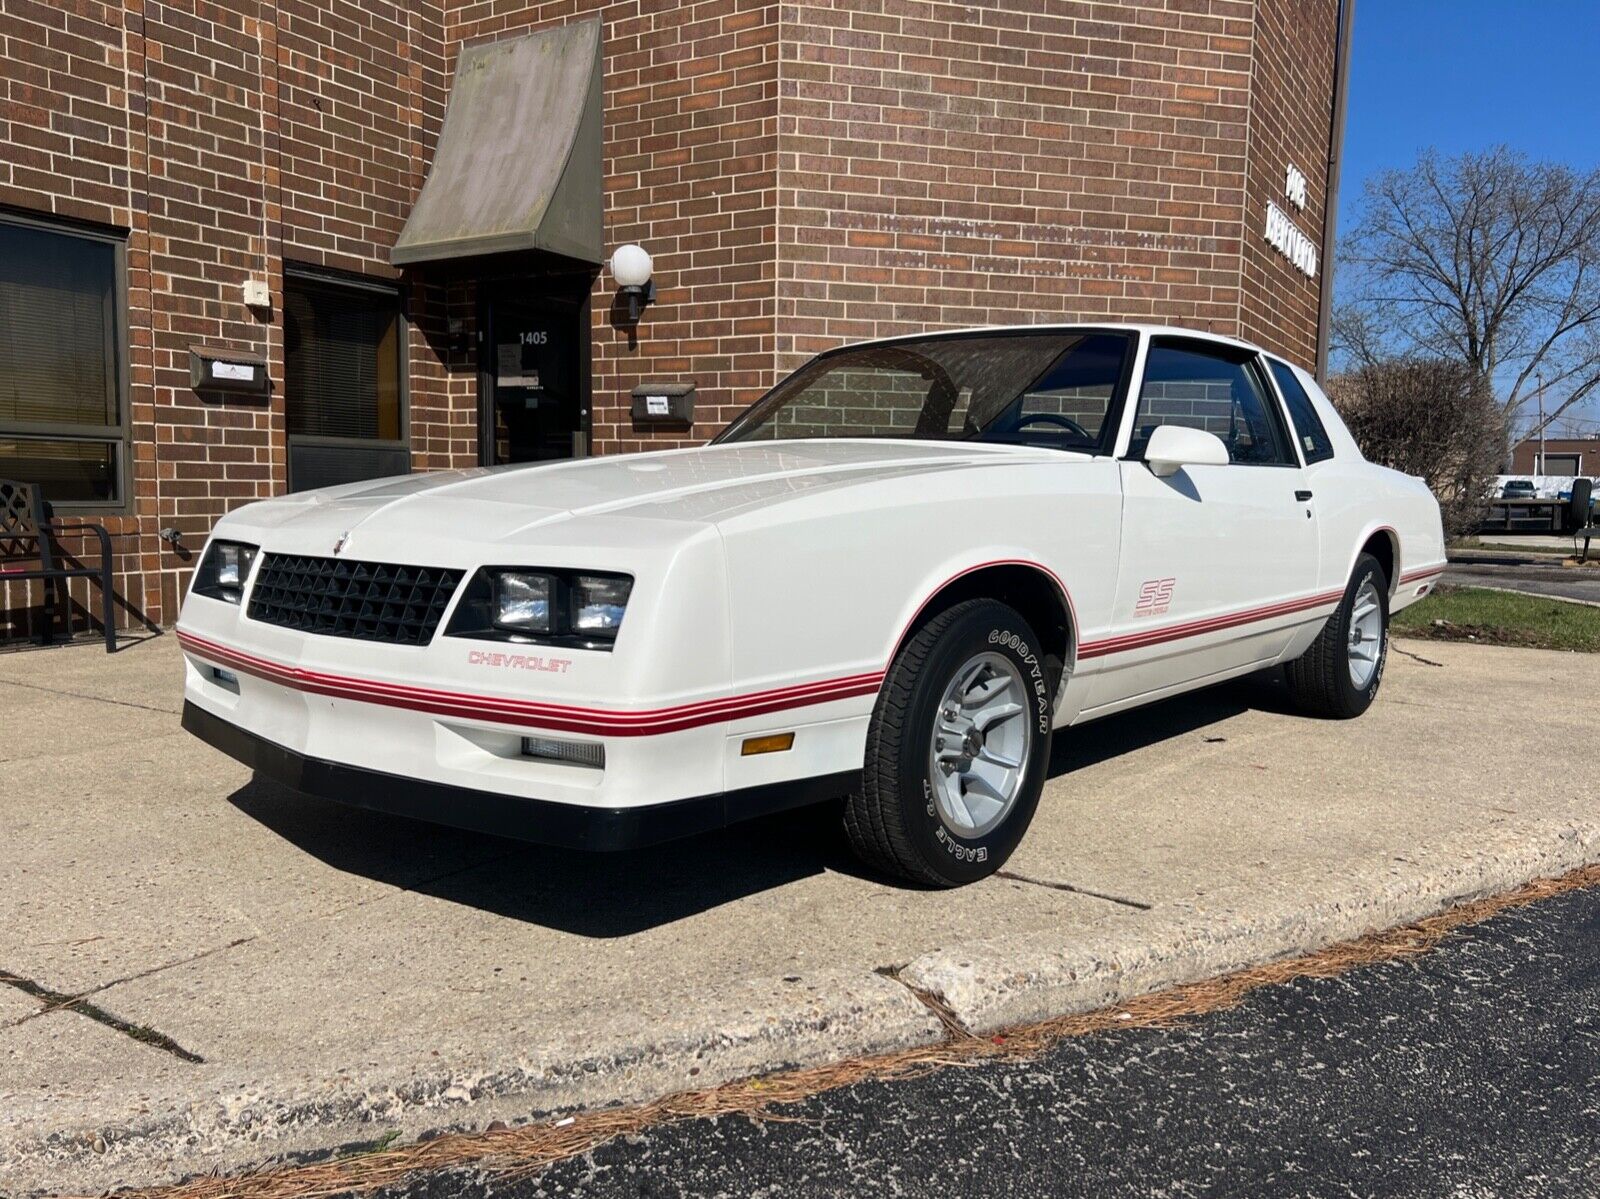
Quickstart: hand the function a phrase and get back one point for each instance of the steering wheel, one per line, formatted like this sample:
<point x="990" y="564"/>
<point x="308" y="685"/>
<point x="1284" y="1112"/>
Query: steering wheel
<point x="1051" y="418"/>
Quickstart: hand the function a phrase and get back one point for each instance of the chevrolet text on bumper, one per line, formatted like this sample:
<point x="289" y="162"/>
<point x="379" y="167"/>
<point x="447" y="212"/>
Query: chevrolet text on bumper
<point x="890" y="581"/>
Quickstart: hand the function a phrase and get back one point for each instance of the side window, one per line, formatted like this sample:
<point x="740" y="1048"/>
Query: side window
<point x="1308" y="427"/>
<point x="1201" y="389"/>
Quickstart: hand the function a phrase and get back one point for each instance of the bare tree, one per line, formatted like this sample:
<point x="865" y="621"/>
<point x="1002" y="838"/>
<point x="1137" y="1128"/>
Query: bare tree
<point x="1429" y="417"/>
<point x="1487" y="259"/>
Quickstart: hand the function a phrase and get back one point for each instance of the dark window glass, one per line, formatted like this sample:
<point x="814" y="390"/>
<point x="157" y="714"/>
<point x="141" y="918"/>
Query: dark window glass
<point x="1187" y="386"/>
<point x="1308" y="427"/>
<point x="1051" y="389"/>
<point x="71" y="471"/>
<point x="342" y="361"/>
<point x="61" y="424"/>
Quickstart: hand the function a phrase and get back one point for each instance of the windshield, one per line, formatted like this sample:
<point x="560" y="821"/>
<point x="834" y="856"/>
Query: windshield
<point x="1052" y="389"/>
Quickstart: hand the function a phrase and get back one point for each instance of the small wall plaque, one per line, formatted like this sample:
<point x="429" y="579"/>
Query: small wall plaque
<point x="663" y="404"/>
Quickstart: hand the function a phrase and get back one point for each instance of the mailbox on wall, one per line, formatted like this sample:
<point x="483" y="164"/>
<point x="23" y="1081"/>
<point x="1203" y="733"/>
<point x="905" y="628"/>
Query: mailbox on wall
<point x="225" y="372"/>
<point x="663" y="404"/>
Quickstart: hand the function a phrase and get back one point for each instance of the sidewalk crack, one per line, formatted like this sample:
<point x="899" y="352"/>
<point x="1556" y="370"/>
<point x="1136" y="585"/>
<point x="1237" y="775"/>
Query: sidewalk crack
<point x="59" y="1001"/>
<point x="1137" y="904"/>
<point x="954" y="1029"/>
<point x="55" y="1001"/>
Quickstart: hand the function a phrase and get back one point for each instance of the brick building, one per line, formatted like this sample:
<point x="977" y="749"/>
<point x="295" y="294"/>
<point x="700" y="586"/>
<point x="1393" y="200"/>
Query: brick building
<point x="202" y="301"/>
<point x="1560" y="456"/>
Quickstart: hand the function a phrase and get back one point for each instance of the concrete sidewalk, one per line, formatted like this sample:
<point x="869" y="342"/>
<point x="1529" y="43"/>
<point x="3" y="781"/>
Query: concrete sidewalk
<point x="272" y="974"/>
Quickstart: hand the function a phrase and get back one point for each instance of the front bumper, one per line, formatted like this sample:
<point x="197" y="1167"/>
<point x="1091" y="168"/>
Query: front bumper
<point x="566" y="825"/>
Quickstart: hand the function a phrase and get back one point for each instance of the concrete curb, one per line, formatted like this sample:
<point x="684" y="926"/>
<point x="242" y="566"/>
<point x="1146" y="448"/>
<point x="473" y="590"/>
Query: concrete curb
<point x="997" y="983"/>
<point x="231" y="1123"/>
<point x="763" y="1027"/>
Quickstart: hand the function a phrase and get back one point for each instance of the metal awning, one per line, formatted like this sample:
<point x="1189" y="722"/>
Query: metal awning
<point x="518" y="161"/>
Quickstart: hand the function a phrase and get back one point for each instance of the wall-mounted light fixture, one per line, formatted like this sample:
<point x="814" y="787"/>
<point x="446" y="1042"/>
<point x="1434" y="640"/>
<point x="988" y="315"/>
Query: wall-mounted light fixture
<point x="632" y="268"/>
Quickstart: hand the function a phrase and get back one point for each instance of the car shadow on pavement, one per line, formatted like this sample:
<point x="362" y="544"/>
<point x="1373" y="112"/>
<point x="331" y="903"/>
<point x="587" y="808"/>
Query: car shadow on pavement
<point x="588" y="894"/>
<point x="616" y="895"/>
<point x="1112" y="736"/>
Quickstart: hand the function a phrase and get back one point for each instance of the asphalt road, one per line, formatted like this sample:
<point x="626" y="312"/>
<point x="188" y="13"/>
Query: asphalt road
<point x="1540" y="578"/>
<point x="1471" y="1072"/>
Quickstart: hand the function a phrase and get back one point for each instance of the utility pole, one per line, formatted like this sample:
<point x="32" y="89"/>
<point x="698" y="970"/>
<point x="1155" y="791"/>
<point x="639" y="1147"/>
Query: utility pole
<point x="1538" y="464"/>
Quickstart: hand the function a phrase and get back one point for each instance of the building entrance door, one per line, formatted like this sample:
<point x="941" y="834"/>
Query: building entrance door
<point x="534" y="378"/>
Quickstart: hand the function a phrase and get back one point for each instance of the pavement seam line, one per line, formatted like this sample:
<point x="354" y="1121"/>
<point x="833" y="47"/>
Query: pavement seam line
<point x="55" y="1001"/>
<point x="1137" y="904"/>
<point x="137" y="975"/>
<point x="518" y="1152"/>
<point x="121" y="703"/>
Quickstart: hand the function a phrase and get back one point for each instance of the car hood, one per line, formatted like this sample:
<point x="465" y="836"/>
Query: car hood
<point x="697" y="485"/>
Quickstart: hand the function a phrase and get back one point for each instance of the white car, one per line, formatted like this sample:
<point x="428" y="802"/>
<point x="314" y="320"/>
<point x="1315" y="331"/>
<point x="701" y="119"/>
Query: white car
<point x="890" y="581"/>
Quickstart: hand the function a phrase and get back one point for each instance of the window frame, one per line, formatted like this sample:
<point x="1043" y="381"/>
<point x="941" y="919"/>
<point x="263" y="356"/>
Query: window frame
<point x="1288" y="413"/>
<point x="119" y="434"/>
<point x="1244" y="356"/>
<point x="331" y="280"/>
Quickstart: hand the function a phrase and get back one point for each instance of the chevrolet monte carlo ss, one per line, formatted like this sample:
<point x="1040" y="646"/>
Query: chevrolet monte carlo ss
<point x="890" y="581"/>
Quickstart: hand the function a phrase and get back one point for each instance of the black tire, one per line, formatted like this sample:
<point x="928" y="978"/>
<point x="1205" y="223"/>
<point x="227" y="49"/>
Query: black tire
<point x="893" y="822"/>
<point x="1320" y="678"/>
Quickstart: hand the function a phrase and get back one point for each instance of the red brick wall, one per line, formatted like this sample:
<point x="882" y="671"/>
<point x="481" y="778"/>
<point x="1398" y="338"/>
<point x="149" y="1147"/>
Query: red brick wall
<point x="803" y="173"/>
<point x="1291" y="107"/>
<point x="691" y="96"/>
<point x="950" y="164"/>
<point x="72" y="145"/>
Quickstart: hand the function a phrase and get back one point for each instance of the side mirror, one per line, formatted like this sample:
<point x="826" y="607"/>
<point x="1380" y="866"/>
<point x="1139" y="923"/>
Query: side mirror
<point x="1172" y="447"/>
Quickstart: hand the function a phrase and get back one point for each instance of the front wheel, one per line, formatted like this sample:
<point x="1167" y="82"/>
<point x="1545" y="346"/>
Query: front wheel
<point x="1339" y="675"/>
<point x="957" y="749"/>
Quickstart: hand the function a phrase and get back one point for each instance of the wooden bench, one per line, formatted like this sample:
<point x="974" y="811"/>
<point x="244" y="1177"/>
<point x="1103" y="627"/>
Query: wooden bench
<point x="28" y="551"/>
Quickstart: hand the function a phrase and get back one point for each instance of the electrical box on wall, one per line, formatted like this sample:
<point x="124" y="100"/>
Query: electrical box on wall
<point x="225" y="372"/>
<point x="663" y="404"/>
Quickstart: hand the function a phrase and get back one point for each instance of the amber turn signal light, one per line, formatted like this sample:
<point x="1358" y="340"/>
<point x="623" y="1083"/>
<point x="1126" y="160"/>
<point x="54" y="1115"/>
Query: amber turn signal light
<point x="774" y="744"/>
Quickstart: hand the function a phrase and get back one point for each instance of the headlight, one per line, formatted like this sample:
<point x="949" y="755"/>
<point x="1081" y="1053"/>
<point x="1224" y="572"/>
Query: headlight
<point x="522" y="602"/>
<point x="552" y="607"/>
<point x="223" y="570"/>
<point x="598" y="602"/>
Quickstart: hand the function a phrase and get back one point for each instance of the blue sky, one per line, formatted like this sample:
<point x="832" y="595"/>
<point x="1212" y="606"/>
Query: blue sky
<point x="1466" y="75"/>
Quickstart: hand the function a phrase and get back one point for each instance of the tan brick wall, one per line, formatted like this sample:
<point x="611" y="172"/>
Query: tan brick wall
<point x="804" y="173"/>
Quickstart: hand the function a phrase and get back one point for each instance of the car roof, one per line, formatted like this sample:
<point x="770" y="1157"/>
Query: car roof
<point x="1114" y="326"/>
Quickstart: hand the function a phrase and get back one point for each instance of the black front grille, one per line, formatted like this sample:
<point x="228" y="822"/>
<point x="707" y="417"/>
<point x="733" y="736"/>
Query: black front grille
<point x="370" y="601"/>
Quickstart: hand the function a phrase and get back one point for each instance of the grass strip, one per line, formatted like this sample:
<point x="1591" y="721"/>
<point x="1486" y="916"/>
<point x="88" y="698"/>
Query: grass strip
<point x="1501" y="618"/>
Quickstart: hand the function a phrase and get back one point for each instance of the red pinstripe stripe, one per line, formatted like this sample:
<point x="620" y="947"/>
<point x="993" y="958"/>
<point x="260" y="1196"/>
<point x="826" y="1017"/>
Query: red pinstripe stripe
<point x="643" y="722"/>
<point x="597" y="721"/>
<point x="1422" y="573"/>
<point x="1194" y="628"/>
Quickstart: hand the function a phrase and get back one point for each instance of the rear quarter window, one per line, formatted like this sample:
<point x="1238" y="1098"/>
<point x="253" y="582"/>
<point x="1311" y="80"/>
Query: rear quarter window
<point x="1308" y="428"/>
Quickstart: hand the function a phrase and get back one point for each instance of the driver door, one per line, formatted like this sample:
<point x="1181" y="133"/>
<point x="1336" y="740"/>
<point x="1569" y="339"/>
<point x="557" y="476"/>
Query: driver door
<point x="1214" y="559"/>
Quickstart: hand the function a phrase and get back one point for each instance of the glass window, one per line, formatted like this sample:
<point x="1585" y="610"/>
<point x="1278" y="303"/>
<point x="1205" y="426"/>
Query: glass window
<point x="61" y="363"/>
<point x="1219" y="393"/>
<point x="1308" y="427"/>
<point x="343" y="366"/>
<point x="1050" y="389"/>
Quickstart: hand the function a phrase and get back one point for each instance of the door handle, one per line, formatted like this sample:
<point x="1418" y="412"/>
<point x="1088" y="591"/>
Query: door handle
<point x="1302" y="496"/>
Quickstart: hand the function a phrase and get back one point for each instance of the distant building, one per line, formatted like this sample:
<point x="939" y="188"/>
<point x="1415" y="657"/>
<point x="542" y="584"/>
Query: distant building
<point x="1562" y="456"/>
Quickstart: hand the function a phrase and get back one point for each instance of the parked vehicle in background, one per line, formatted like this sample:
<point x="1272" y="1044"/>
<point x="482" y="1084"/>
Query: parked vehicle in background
<point x="1519" y="489"/>
<point x="893" y="579"/>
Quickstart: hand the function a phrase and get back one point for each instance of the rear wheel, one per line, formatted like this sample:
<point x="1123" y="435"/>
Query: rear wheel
<point x="957" y="749"/>
<point x="1340" y="674"/>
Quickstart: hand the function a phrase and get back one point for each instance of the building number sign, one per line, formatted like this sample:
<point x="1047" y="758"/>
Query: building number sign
<point x="1283" y="234"/>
